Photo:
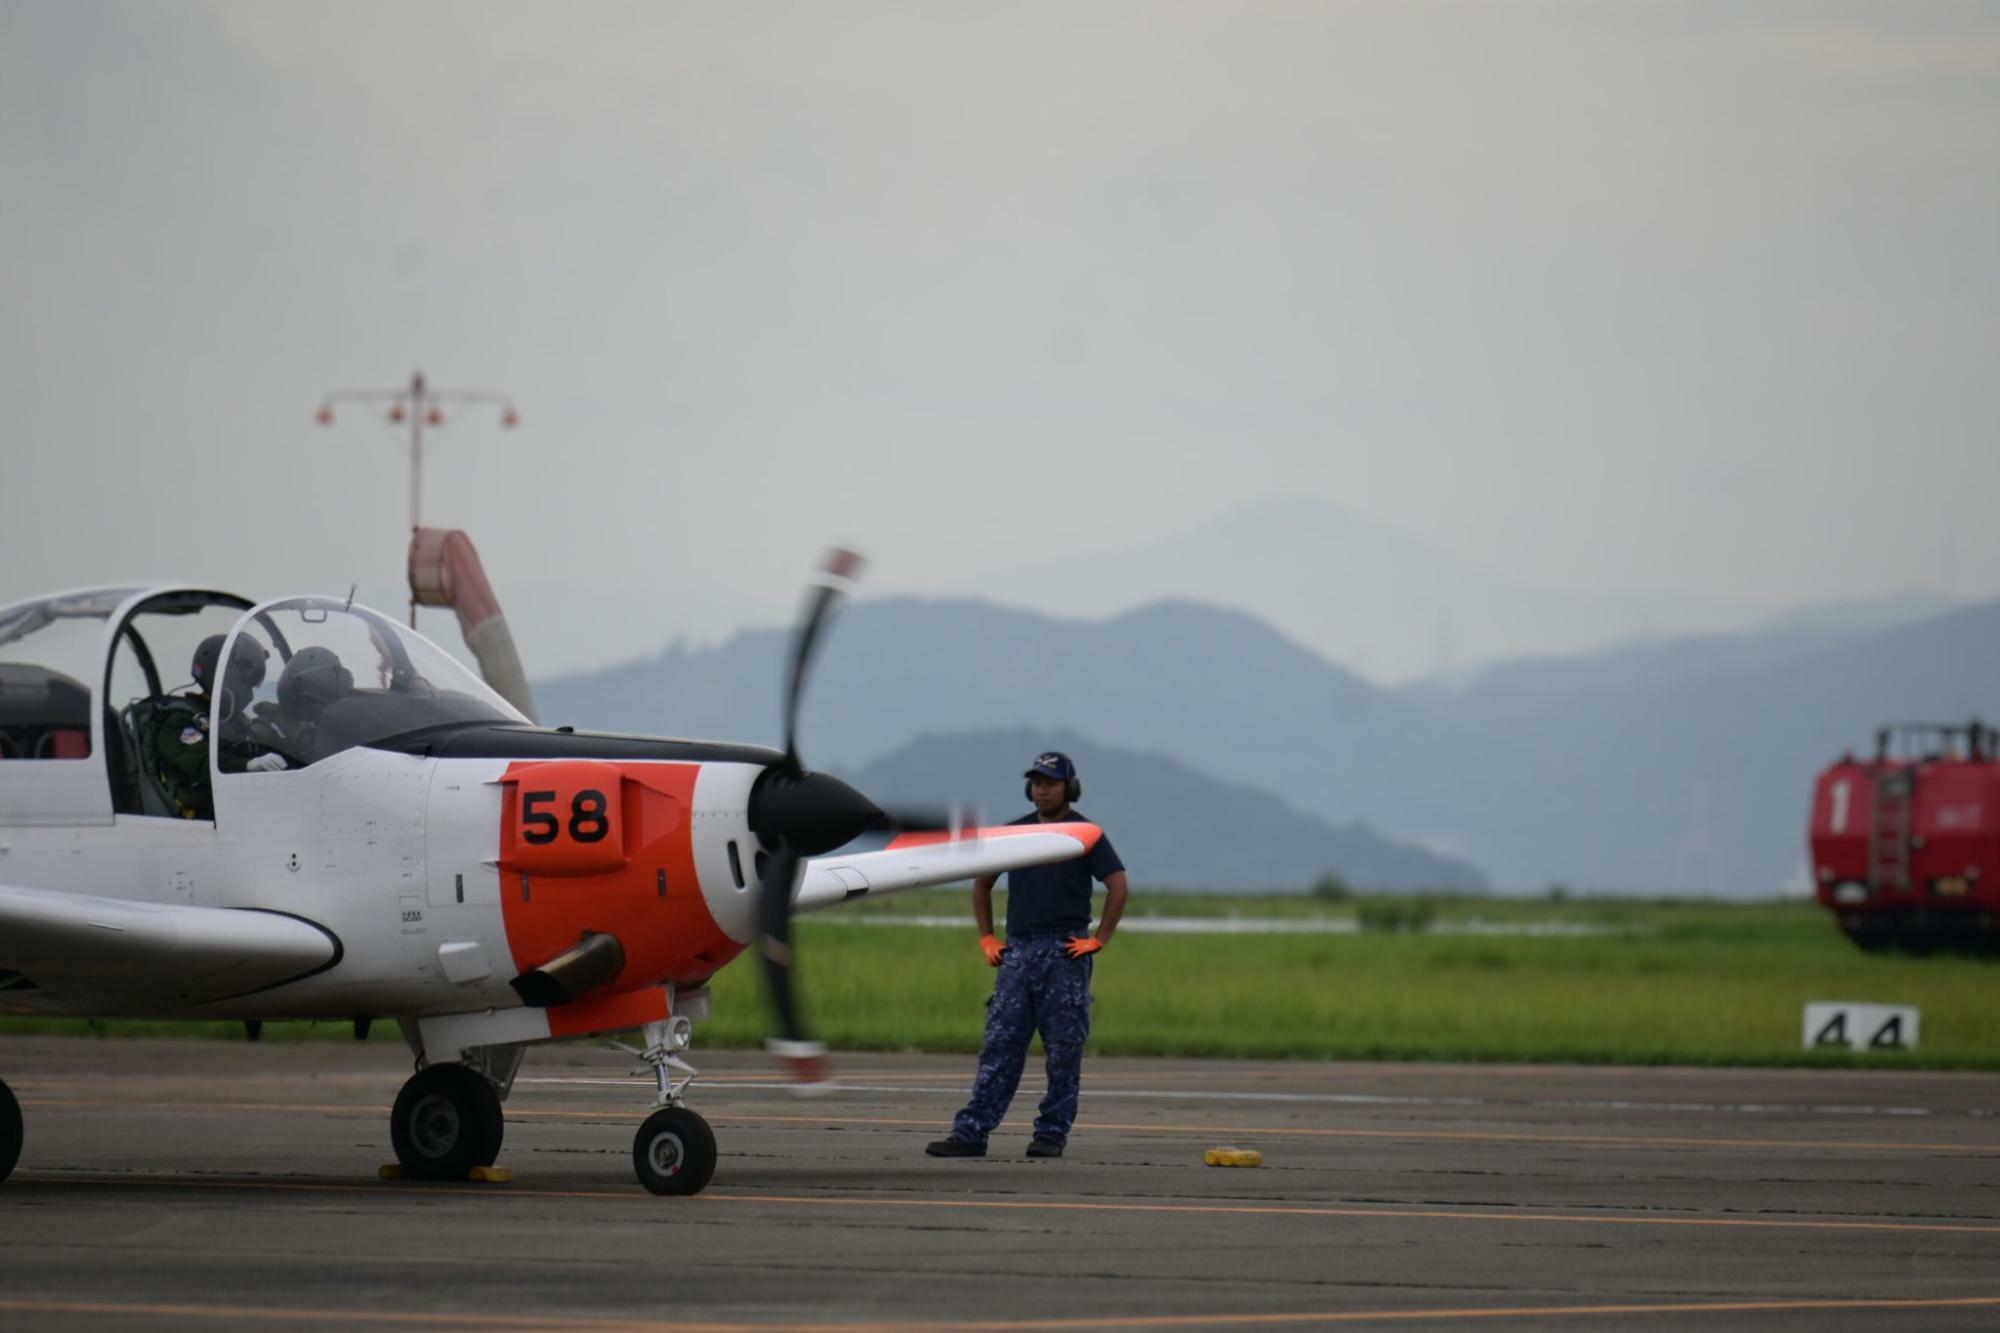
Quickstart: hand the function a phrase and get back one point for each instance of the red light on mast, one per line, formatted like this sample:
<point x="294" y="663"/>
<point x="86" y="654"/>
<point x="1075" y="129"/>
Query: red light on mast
<point x="324" y="416"/>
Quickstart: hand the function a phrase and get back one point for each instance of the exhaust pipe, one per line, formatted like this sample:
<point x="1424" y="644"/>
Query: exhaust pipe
<point x="591" y="962"/>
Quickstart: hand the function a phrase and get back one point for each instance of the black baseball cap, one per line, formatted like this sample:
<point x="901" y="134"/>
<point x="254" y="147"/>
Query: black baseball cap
<point x="1054" y="764"/>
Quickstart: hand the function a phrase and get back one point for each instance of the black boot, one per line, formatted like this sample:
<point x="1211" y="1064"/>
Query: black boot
<point x="951" y="1147"/>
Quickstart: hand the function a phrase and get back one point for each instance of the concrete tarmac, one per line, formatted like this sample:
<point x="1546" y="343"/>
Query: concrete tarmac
<point x="175" y="1185"/>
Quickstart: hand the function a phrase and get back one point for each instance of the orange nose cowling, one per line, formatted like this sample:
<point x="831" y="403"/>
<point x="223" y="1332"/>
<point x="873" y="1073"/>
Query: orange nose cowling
<point x="594" y="846"/>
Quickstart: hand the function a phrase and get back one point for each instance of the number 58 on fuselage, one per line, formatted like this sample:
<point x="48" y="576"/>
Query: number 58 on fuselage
<point x="339" y="821"/>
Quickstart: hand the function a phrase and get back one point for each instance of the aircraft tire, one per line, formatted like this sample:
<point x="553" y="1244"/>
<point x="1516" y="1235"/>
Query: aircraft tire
<point x="11" y="1132"/>
<point x="674" y="1152"/>
<point x="493" y="1123"/>
<point x="447" y="1120"/>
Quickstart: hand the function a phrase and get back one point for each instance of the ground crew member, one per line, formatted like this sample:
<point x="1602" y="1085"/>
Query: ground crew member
<point x="1045" y="967"/>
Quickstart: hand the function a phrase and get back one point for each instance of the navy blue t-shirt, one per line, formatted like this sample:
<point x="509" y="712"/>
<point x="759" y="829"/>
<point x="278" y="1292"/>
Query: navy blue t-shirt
<point x="1055" y="899"/>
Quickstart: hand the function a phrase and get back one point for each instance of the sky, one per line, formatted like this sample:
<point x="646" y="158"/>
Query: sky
<point x="1674" y="299"/>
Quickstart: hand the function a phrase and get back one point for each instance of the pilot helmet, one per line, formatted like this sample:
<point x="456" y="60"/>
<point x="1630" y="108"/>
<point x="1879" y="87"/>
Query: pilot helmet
<point x="313" y="679"/>
<point x="246" y="666"/>
<point x="240" y="678"/>
<point x="206" y="654"/>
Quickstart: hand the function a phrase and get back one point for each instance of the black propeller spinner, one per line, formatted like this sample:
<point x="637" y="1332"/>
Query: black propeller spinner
<point x="797" y="814"/>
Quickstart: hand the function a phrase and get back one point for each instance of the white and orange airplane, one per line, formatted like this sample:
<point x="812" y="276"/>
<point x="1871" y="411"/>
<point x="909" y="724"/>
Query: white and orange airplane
<point x="374" y="833"/>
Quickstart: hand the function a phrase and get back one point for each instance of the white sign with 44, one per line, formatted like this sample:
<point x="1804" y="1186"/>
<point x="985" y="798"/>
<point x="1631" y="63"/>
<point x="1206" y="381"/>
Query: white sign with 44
<point x="1861" y="1027"/>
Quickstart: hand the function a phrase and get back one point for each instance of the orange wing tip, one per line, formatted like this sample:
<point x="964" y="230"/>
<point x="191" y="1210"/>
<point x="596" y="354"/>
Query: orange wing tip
<point x="1087" y="834"/>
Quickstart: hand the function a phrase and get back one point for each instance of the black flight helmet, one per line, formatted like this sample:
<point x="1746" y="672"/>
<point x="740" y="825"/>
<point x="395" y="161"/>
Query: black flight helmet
<point x="245" y="671"/>
<point x="246" y="666"/>
<point x="313" y="679"/>
<point x="206" y="656"/>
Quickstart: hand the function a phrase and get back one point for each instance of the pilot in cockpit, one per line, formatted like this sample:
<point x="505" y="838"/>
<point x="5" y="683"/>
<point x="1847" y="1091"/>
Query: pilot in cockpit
<point x="312" y="680"/>
<point x="252" y="737"/>
<point x="178" y="734"/>
<point x="265" y="736"/>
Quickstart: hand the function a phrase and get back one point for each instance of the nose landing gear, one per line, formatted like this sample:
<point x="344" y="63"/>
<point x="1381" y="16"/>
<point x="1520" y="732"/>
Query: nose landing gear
<point x="674" y="1151"/>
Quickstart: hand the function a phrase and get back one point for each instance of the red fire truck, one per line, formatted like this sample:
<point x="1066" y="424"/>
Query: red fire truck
<point x="1906" y="845"/>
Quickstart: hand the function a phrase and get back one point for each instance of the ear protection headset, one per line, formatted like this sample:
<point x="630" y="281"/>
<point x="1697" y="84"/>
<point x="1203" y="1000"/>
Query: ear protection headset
<point x="1072" y="789"/>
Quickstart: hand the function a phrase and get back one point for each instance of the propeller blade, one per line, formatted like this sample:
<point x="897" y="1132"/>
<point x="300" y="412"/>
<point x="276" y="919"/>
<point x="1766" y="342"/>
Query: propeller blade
<point x="798" y="814"/>
<point x="774" y="925"/>
<point x="838" y="569"/>
<point x="802" y="1059"/>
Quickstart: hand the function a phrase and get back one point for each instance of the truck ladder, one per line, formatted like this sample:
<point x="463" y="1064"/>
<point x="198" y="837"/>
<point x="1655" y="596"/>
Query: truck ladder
<point x="1889" y="831"/>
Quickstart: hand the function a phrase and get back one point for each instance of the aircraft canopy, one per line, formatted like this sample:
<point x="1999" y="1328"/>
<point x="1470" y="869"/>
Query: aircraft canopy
<point x="309" y="677"/>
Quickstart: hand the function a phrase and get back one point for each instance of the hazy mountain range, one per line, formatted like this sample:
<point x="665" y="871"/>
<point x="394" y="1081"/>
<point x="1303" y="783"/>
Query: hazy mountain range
<point x="1682" y="765"/>
<point x="1173" y="827"/>
<point x="1382" y="601"/>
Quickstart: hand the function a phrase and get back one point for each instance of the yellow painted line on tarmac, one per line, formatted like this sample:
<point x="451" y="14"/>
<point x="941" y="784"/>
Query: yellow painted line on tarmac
<point x="432" y="1319"/>
<point x="726" y="1117"/>
<point x="713" y="1197"/>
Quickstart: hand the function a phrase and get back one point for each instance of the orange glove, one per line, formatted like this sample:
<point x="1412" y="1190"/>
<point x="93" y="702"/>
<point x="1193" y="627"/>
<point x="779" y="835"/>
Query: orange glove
<point x="991" y="946"/>
<point x="1085" y="947"/>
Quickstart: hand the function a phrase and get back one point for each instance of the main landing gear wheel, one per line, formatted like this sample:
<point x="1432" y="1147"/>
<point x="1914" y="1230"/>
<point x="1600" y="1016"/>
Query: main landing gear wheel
<point x="447" y="1120"/>
<point x="10" y="1131"/>
<point x="674" y="1152"/>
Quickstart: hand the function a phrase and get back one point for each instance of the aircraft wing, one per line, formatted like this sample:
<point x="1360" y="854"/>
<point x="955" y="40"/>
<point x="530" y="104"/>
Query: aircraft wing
<point x="919" y="860"/>
<point x="75" y="953"/>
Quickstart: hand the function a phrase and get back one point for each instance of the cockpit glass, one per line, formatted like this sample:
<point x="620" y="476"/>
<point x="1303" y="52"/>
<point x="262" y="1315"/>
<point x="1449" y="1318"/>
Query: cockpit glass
<point x="49" y="648"/>
<point x="311" y="677"/>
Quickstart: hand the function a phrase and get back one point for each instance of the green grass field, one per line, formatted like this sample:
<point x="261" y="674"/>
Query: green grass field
<point x="1692" y="983"/>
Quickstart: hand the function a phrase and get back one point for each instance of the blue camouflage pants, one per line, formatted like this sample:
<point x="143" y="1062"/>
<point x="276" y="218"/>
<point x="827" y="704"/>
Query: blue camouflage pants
<point x="1040" y="989"/>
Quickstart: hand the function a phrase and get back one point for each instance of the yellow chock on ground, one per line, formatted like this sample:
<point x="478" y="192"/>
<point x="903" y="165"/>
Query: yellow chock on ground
<point x="483" y="1175"/>
<point x="1233" y="1157"/>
